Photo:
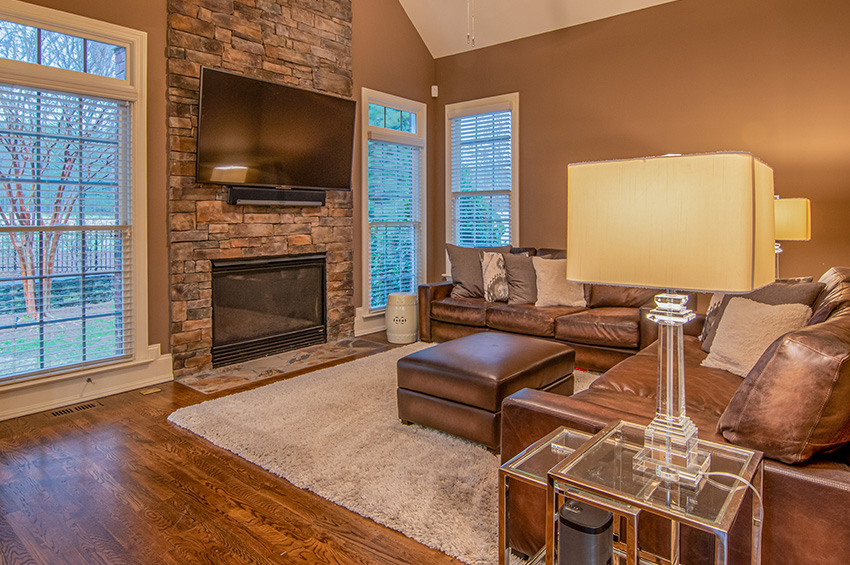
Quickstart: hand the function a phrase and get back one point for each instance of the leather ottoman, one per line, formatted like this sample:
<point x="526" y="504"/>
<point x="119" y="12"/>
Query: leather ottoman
<point x="458" y="386"/>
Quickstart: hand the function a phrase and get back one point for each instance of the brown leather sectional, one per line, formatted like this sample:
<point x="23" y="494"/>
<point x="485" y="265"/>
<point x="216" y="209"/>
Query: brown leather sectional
<point x="794" y="405"/>
<point x="610" y="329"/>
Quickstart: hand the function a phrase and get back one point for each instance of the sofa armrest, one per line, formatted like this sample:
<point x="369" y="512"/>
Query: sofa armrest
<point x="529" y="414"/>
<point x="649" y="329"/>
<point x="427" y="294"/>
<point x="804" y="507"/>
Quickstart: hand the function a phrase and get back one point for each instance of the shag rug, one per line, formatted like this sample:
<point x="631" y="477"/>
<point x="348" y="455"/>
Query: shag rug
<point x="336" y="433"/>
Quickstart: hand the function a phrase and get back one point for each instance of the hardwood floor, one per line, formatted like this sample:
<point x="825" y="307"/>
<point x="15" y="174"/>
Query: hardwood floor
<point x="116" y="483"/>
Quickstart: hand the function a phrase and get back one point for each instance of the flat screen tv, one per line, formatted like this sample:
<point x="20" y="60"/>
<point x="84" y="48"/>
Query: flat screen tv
<point x="257" y="133"/>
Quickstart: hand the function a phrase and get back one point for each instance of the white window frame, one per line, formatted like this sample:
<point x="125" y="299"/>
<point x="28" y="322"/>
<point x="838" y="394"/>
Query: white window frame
<point x="418" y="139"/>
<point x="483" y="106"/>
<point x="133" y="89"/>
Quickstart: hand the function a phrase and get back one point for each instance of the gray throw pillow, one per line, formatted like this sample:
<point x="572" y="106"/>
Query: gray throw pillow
<point x="522" y="279"/>
<point x="466" y="269"/>
<point x="779" y="292"/>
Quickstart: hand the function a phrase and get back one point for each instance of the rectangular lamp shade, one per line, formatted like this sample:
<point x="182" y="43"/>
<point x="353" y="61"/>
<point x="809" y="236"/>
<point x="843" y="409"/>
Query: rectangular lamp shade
<point x="680" y="222"/>
<point x="793" y="219"/>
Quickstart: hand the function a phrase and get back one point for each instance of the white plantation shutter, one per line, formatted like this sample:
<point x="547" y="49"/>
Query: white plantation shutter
<point x="394" y="216"/>
<point x="481" y="178"/>
<point x="65" y="201"/>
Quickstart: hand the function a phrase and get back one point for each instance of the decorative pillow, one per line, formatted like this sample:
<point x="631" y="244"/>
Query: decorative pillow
<point x="522" y="279"/>
<point x="495" y="277"/>
<point x="793" y="404"/>
<point x="466" y="269"/>
<point x="776" y="293"/>
<point x="553" y="288"/>
<point x="748" y="328"/>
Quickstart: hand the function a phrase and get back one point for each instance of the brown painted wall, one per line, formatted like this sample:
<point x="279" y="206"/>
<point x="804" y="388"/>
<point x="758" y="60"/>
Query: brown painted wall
<point x="766" y="76"/>
<point x="148" y="16"/>
<point x="389" y="56"/>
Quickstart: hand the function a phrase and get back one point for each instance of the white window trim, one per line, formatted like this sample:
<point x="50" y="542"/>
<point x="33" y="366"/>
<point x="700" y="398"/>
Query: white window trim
<point x="482" y="106"/>
<point x="418" y="139"/>
<point x="148" y="365"/>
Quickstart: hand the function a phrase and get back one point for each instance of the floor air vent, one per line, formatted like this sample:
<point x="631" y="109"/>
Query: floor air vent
<point x="77" y="408"/>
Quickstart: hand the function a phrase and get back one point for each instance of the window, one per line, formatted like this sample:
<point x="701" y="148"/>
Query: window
<point x="71" y="193"/>
<point x="394" y="175"/>
<point x="481" y="184"/>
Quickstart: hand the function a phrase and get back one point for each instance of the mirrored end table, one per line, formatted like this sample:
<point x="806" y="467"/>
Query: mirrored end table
<point x="532" y="466"/>
<point x="600" y="473"/>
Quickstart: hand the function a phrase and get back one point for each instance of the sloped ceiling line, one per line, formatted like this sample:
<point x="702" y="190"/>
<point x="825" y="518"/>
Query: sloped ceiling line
<point x="443" y="24"/>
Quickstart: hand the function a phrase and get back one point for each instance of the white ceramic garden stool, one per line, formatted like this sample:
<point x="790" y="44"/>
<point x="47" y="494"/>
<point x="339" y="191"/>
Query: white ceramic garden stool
<point x="402" y="317"/>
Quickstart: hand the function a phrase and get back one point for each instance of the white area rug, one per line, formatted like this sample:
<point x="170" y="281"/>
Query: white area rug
<point x="336" y="432"/>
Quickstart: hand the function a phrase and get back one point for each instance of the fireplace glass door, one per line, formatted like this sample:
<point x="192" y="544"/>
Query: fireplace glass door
<point x="266" y="306"/>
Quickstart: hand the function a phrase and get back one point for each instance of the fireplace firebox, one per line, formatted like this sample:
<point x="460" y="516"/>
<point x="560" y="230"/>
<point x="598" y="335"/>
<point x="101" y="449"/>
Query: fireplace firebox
<point x="267" y="305"/>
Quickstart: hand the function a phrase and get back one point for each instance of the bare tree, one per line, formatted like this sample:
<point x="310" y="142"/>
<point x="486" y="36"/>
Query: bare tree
<point x="57" y="148"/>
<point x="54" y="148"/>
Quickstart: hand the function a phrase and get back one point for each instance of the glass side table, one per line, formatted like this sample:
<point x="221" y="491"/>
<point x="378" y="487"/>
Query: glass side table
<point x="600" y="473"/>
<point x="531" y="466"/>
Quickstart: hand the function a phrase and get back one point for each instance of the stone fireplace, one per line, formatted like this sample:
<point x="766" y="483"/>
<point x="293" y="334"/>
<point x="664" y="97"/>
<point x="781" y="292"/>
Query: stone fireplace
<point x="287" y="41"/>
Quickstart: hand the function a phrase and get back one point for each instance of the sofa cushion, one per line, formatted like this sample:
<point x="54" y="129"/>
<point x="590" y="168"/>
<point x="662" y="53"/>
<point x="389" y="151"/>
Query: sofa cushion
<point x="551" y="253"/>
<point x="522" y="279"/>
<point x="602" y="295"/>
<point x="707" y="390"/>
<point x="527" y="318"/>
<point x="748" y="328"/>
<point x="615" y="327"/>
<point x="794" y="402"/>
<point x="553" y="288"/>
<point x="494" y="276"/>
<point x="465" y="311"/>
<point x="775" y="293"/>
<point x="836" y="293"/>
<point x="466" y="269"/>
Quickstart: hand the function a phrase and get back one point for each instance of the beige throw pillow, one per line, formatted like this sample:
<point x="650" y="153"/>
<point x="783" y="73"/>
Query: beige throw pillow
<point x="495" y="277"/>
<point x="553" y="288"/>
<point x="747" y="329"/>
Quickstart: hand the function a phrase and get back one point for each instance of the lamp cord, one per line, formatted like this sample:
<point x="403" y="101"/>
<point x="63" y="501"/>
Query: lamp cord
<point x="759" y="517"/>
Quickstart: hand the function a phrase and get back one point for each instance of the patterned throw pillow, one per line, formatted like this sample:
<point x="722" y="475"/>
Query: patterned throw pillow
<point x="495" y="277"/>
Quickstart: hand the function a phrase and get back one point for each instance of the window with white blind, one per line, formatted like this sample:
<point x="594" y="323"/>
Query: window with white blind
<point x="481" y="185"/>
<point x="394" y="213"/>
<point x="71" y="191"/>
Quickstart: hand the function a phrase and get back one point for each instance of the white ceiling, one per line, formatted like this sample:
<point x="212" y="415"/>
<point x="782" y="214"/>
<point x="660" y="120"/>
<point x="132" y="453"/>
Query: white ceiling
<point x="443" y="24"/>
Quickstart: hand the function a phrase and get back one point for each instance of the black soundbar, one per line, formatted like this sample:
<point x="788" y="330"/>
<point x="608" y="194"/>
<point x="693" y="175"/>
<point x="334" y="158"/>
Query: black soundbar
<point x="275" y="196"/>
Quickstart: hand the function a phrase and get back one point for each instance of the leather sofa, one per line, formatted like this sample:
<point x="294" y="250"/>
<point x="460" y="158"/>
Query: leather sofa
<point x="794" y="405"/>
<point x="611" y="328"/>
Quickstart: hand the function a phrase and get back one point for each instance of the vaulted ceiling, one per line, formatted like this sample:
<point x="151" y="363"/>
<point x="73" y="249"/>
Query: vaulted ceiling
<point x="445" y="24"/>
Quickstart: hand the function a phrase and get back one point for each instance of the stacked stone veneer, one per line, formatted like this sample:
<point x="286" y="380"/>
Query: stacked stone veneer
<point x="305" y="43"/>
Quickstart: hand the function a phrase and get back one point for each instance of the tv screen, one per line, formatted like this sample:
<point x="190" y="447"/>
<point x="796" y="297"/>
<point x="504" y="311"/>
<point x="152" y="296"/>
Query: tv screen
<point x="257" y="133"/>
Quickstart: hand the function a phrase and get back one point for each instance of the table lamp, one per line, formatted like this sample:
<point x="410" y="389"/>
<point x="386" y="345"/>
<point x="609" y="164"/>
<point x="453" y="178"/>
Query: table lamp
<point x="793" y="222"/>
<point x="685" y="222"/>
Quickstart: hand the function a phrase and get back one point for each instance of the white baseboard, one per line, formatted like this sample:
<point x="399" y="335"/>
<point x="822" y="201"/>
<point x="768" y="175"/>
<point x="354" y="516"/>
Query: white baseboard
<point x="366" y="322"/>
<point x="37" y="395"/>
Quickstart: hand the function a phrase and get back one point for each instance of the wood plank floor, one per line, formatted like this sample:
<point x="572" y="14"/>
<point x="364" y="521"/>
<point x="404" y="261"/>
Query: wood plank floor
<point x="118" y="484"/>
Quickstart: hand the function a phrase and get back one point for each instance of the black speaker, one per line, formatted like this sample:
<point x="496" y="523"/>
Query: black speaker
<point x="585" y="535"/>
<point x="275" y="196"/>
